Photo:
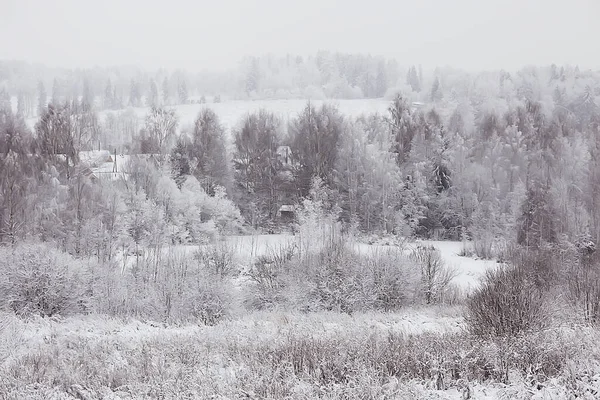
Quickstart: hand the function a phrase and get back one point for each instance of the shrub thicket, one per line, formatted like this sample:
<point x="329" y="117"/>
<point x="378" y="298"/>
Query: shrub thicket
<point x="508" y="303"/>
<point x="38" y="280"/>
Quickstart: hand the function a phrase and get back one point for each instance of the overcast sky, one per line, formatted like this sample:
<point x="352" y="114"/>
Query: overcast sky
<point x="471" y="34"/>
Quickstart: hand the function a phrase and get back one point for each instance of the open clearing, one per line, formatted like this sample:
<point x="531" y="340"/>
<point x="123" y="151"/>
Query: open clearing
<point x="469" y="270"/>
<point x="232" y="112"/>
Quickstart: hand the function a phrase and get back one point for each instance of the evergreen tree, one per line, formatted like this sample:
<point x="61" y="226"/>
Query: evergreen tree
<point x="182" y="92"/>
<point x="5" y="103"/>
<point x="56" y="137"/>
<point x="436" y="91"/>
<point x="166" y="91"/>
<point x="21" y="105"/>
<point x="152" y="100"/>
<point x="42" y="98"/>
<point x="536" y="225"/>
<point x="135" y="95"/>
<point x="382" y="80"/>
<point x="412" y="79"/>
<point x="88" y="95"/>
<point x="109" y="100"/>
<point x="56" y="92"/>
<point x="253" y="77"/>
<point x="180" y="160"/>
<point x="400" y="121"/>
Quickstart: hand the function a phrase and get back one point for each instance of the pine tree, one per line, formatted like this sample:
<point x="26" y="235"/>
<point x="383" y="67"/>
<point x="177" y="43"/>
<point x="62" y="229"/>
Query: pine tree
<point x="253" y="77"/>
<point x="166" y="91"/>
<point x="401" y="124"/>
<point x="135" y="96"/>
<point x="21" y="105"/>
<point x="436" y="91"/>
<point x="180" y="160"/>
<point x="56" y="92"/>
<point x="381" y="80"/>
<point x="152" y="100"/>
<point x="412" y="79"/>
<point x="88" y="96"/>
<point x="42" y="98"/>
<point x="182" y="92"/>
<point x="109" y="100"/>
<point x="536" y="225"/>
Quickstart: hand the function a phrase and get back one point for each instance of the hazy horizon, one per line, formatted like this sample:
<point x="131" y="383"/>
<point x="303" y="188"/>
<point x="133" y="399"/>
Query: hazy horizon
<point x="214" y="35"/>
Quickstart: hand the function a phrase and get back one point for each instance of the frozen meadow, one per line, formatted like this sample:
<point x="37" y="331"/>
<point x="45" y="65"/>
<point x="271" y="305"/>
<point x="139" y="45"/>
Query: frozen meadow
<point x="231" y="112"/>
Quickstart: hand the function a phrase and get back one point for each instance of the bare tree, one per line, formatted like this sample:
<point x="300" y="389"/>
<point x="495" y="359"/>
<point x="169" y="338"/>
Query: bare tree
<point x="160" y="125"/>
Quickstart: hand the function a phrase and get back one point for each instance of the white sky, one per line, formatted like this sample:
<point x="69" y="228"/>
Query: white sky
<point x="197" y="34"/>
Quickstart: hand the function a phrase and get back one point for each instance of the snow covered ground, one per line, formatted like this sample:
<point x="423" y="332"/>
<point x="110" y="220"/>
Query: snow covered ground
<point x="469" y="270"/>
<point x="98" y="357"/>
<point x="231" y="112"/>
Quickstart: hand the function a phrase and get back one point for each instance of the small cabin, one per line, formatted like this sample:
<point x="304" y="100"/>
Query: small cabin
<point x="287" y="213"/>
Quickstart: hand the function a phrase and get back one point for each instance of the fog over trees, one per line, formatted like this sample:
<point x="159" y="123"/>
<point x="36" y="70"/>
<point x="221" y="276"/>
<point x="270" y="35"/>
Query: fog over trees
<point x="112" y="206"/>
<point x="475" y="148"/>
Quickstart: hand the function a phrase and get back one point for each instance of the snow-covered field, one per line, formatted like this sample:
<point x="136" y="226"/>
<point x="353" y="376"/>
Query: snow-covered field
<point x="286" y="354"/>
<point x="469" y="270"/>
<point x="231" y="112"/>
<point x="267" y="355"/>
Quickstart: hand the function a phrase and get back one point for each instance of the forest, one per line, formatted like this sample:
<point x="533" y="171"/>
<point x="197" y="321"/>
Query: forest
<point x="120" y="221"/>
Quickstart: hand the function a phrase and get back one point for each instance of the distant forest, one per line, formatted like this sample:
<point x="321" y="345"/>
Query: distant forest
<point x="490" y="157"/>
<point x="324" y="75"/>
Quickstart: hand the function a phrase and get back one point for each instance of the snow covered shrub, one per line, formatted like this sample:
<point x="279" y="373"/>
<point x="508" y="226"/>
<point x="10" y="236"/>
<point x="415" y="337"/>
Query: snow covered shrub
<point x="435" y="275"/>
<point x="218" y="259"/>
<point x="176" y="287"/>
<point x="486" y="229"/>
<point x="318" y="227"/>
<point x="508" y="303"/>
<point x="314" y="93"/>
<point x="394" y="282"/>
<point x="338" y="278"/>
<point x="583" y="278"/>
<point x="338" y="283"/>
<point x="267" y="275"/>
<point x="36" y="279"/>
<point x="209" y="302"/>
<point x="223" y="212"/>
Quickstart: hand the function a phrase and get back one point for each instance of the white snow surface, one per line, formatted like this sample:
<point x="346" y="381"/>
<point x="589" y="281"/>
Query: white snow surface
<point x="469" y="270"/>
<point x="232" y="112"/>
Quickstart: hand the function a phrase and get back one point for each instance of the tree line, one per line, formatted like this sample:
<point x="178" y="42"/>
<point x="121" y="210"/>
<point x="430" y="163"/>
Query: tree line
<point x="521" y="166"/>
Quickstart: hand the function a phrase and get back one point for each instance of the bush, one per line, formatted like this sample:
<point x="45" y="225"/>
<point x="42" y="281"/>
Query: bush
<point x="583" y="278"/>
<point x="333" y="277"/>
<point x="507" y="304"/>
<point x="176" y="288"/>
<point x="267" y="274"/>
<point x="38" y="280"/>
<point x="435" y="275"/>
